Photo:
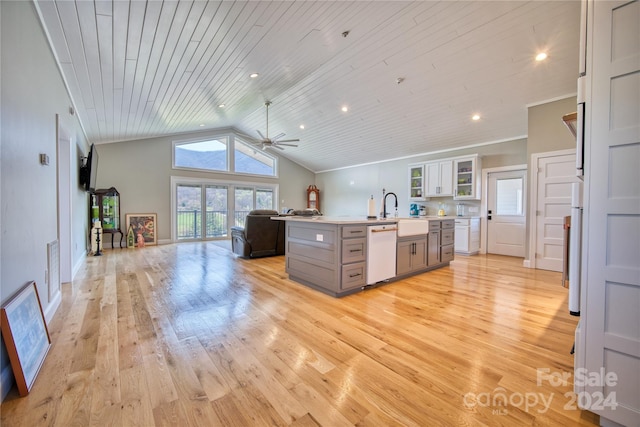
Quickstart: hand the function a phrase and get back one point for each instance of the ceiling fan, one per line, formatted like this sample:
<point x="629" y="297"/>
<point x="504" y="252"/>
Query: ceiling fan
<point x="274" y="142"/>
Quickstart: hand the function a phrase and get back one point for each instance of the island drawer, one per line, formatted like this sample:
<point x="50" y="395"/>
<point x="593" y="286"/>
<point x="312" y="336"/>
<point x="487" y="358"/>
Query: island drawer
<point x="434" y="225"/>
<point x="350" y="231"/>
<point x="448" y="223"/>
<point x="446" y="254"/>
<point x="354" y="250"/>
<point x="353" y="276"/>
<point x="446" y="237"/>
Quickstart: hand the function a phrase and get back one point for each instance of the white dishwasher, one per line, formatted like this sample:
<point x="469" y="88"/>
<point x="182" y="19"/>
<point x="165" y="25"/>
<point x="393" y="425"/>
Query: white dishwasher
<point x="381" y="252"/>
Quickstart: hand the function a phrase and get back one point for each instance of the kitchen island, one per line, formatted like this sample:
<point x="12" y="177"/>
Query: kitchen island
<point x="329" y="254"/>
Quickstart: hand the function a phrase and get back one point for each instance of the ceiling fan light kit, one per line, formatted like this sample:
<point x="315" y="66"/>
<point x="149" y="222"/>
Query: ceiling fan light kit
<point x="274" y="142"/>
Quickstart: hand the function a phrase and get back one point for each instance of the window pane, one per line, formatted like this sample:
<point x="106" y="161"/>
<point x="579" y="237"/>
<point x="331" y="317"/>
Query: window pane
<point x="243" y="204"/>
<point x="264" y="199"/>
<point x="189" y="205"/>
<point x="207" y="155"/>
<point x="250" y="159"/>
<point x="509" y="196"/>
<point x="216" y="200"/>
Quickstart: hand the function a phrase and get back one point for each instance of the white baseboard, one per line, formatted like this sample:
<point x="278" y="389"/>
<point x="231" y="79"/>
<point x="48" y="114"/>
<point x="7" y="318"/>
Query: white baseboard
<point x="53" y="307"/>
<point x="78" y="265"/>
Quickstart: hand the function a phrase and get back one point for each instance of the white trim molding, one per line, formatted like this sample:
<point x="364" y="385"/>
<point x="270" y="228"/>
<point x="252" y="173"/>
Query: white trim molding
<point x="530" y="260"/>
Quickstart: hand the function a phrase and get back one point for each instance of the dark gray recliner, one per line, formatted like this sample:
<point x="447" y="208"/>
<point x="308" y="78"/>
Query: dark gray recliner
<point x="260" y="237"/>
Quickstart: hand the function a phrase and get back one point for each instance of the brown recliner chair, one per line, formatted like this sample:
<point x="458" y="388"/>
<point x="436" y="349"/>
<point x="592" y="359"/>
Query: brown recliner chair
<point x="260" y="237"/>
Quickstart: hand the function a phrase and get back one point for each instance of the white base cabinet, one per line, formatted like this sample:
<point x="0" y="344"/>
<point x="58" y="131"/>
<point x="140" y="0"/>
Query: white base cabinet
<point x="467" y="237"/>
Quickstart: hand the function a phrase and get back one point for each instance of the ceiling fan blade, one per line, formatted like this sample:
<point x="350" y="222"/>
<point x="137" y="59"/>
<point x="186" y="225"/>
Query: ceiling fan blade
<point x="277" y="146"/>
<point x="261" y="135"/>
<point x="278" y="136"/>
<point x="289" y="140"/>
<point x="288" y="145"/>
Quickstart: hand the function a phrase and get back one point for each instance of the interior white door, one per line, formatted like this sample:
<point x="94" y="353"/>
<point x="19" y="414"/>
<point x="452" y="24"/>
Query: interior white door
<point x="506" y="228"/>
<point x="555" y="174"/>
<point x="611" y="265"/>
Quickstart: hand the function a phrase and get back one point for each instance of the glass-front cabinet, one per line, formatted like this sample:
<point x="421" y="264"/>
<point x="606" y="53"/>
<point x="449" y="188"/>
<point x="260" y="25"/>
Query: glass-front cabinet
<point x="466" y="175"/>
<point x="416" y="182"/>
<point x="105" y="207"/>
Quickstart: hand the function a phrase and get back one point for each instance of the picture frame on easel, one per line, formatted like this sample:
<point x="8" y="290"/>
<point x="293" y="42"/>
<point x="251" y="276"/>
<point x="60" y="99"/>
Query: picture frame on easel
<point x="25" y="335"/>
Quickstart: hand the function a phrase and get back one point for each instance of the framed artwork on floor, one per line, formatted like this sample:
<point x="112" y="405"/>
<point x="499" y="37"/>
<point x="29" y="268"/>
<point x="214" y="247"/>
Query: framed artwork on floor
<point x="25" y="335"/>
<point x="144" y="228"/>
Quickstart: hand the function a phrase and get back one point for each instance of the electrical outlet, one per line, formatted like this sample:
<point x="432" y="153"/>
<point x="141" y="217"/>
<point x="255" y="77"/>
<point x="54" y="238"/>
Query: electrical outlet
<point x="319" y="238"/>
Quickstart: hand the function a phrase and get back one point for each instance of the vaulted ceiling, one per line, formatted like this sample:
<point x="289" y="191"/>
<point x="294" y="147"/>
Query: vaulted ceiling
<point x="411" y="74"/>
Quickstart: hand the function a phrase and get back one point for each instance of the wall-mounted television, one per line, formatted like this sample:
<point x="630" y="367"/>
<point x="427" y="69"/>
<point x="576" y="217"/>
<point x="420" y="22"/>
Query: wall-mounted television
<point x="89" y="170"/>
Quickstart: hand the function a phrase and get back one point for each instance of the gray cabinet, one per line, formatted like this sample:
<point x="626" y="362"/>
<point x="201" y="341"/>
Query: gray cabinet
<point x="447" y="238"/>
<point x="354" y="256"/>
<point x="433" y="248"/>
<point x="440" y="241"/>
<point x="327" y="257"/>
<point x="412" y="254"/>
<point x="332" y="257"/>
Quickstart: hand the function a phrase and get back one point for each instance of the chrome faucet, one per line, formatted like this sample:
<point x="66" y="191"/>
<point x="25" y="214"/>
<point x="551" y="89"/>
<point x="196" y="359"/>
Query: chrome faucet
<point x="384" y="203"/>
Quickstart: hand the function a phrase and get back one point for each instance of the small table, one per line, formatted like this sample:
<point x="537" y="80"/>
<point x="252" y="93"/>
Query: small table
<point x="113" y="231"/>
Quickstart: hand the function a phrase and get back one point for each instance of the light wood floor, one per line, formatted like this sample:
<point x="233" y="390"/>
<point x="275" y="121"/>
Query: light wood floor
<point x="188" y="334"/>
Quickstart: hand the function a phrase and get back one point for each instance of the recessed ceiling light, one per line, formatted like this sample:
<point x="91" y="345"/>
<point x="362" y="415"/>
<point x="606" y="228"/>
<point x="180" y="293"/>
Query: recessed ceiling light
<point x="221" y="106"/>
<point x="254" y="75"/>
<point x="541" y="56"/>
<point x="201" y="124"/>
<point x="301" y="126"/>
<point x="345" y="108"/>
<point x="475" y="117"/>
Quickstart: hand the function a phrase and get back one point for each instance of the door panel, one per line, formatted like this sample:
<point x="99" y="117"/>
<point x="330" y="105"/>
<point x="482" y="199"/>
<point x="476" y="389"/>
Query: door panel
<point x="216" y="224"/>
<point x="554" y="178"/>
<point x="610" y="276"/>
<point x="188" y="212"/>
<point x="243" y="204"/>
<point x="506" y="213"/>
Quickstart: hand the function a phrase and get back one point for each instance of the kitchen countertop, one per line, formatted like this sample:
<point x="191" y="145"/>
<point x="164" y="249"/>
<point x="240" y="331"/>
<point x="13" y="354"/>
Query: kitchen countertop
<point x="341" y="220"/>
<point x="337" y="220"/>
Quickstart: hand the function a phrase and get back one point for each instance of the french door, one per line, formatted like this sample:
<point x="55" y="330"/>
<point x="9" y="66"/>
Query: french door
<point x="208" y="210"/>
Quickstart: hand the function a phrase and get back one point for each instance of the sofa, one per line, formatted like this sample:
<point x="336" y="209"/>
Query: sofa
<point x="260" y="237"/>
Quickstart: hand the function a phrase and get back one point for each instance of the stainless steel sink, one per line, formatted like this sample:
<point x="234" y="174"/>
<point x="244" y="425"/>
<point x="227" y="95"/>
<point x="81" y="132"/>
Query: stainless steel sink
<point x="412" y="226"/>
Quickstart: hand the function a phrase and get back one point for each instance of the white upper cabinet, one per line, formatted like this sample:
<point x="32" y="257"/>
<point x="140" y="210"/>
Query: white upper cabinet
<point x="466" y="175"/>
<point x="439" y="178"/>
<point x="416" y="182"/>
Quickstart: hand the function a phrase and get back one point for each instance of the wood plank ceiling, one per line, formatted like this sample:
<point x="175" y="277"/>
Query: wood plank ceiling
<point x="137" y="69"/>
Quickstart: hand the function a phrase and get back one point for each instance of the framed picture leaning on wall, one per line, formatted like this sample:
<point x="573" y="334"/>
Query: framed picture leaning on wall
<point x="144" y="228"/>
<point x="25" y="335"/>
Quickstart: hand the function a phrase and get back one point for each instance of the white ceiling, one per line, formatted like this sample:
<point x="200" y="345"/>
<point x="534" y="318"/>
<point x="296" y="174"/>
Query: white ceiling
<point x="138" y="69"/>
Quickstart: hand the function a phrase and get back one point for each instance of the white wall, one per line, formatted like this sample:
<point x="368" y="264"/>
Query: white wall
<point x="547" y="132"/>
<point x="345" y="192"/>
<point x="141" y="172"/>
<point x="32" y="94"/>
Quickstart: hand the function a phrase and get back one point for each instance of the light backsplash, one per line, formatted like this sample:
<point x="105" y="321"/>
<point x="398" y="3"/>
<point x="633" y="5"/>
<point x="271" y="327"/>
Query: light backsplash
<point x="450" y="206"/>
